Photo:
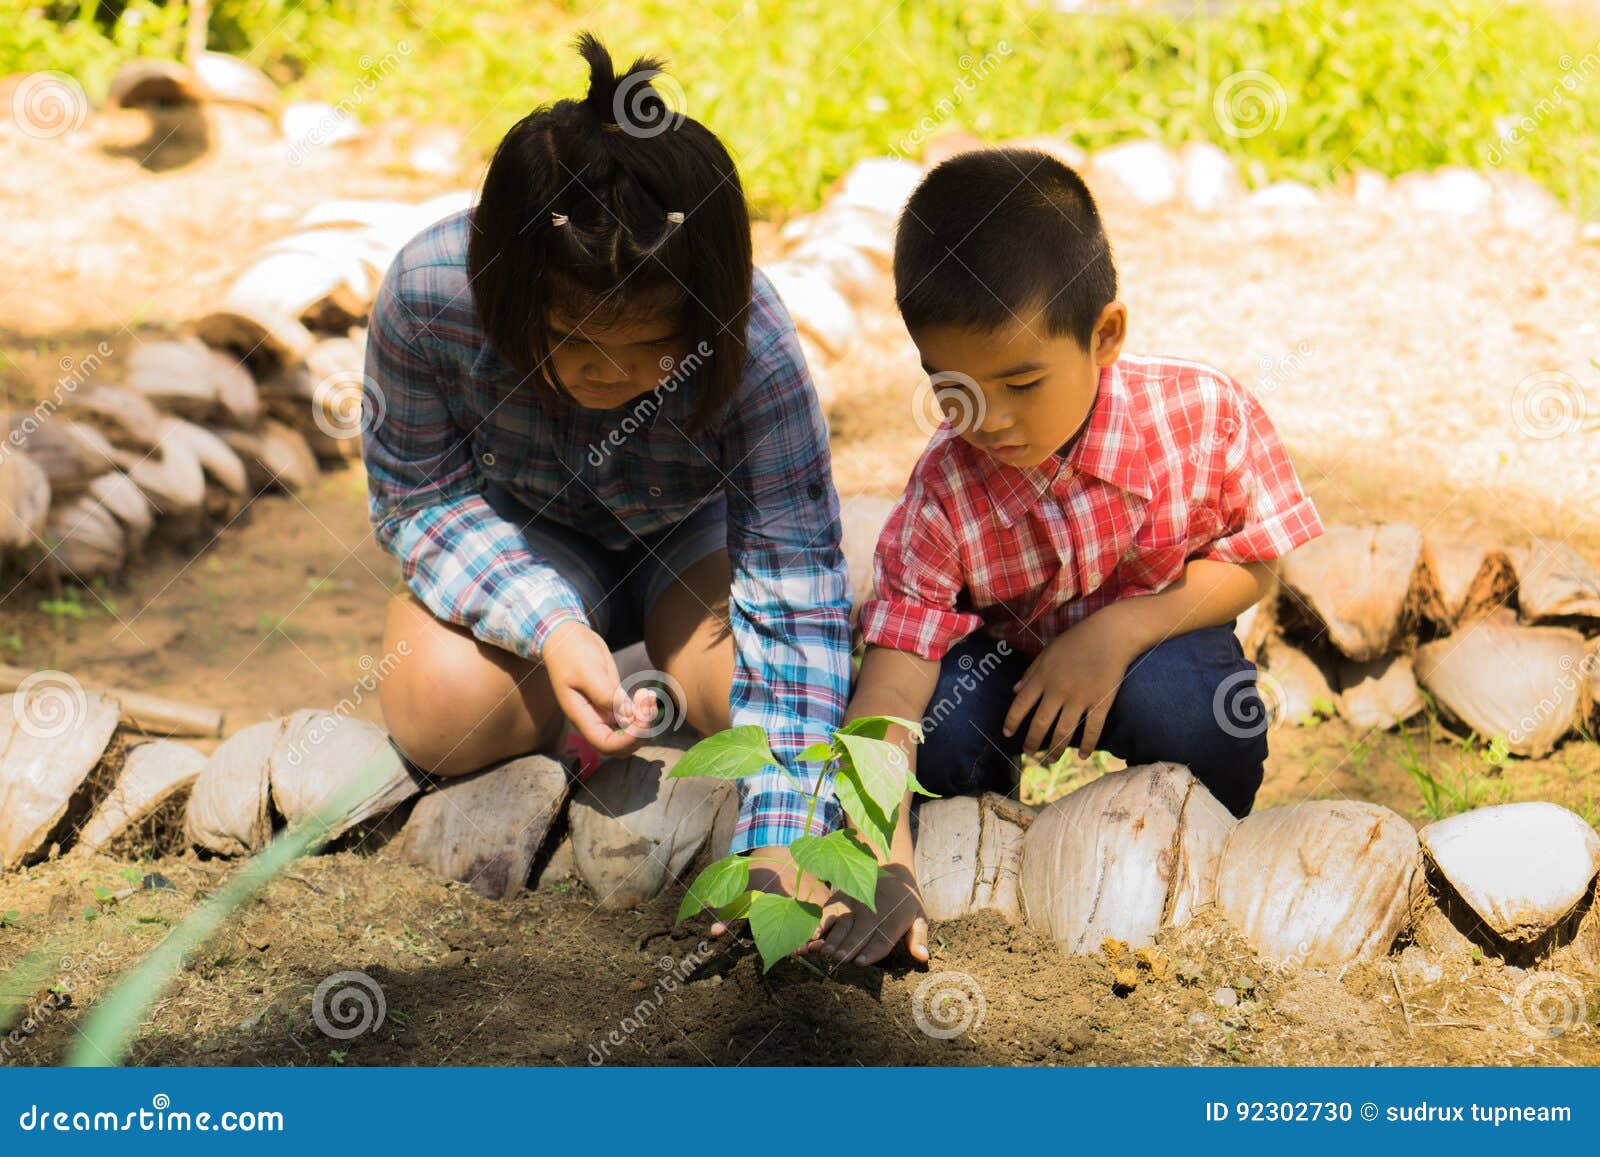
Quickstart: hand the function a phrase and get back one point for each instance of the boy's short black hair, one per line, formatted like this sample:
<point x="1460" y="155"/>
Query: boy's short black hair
<point x="990" y="234"/>
<point x="615" y="164"/>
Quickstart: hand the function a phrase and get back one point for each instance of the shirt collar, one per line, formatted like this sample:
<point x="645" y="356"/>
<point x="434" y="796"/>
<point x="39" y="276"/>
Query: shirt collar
<point x="1110" y="448"/>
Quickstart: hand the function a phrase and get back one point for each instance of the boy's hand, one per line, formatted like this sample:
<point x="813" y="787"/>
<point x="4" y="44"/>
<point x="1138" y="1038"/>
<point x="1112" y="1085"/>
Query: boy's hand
<point x="583" y="675"/>
<point x="1075" y="677"/>
<point x="852" y="931"/>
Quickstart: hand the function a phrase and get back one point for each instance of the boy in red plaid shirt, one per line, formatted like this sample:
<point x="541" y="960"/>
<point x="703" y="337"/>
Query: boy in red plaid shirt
<point x="1074" y="545"/>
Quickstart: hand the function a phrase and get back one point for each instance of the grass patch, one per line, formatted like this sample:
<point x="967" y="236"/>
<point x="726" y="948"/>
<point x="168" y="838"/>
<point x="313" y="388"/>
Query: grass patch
<point x="800" y="89"/>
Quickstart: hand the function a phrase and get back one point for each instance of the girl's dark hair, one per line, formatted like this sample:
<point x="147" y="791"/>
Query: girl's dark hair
<point x="615" y="164"/>
<point x="993" y="233"/>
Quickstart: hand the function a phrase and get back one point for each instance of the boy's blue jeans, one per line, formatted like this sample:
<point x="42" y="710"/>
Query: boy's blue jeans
<point x="1191" y="700"/>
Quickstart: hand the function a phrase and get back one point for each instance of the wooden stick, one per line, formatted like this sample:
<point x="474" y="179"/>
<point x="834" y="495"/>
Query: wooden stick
<point x="151" y="714"/>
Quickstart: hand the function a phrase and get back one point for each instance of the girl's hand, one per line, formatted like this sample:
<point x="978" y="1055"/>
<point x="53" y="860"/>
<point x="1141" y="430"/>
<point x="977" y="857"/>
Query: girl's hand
<point x="584" y="677"/>
<point x="1075" y="677"/>
<point x="852" y="931"/>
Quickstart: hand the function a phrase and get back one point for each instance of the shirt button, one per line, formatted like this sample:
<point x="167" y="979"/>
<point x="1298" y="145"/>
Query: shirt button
<point x="655" y="492"/>
<point x="488" y="459"/>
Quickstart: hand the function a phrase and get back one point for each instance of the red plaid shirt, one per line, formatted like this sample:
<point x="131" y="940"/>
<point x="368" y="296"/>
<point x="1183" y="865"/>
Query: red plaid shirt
<point x="1178" y="461"/>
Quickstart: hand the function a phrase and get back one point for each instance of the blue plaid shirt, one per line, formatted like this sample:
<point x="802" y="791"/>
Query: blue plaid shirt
<point x="443" y="415"/>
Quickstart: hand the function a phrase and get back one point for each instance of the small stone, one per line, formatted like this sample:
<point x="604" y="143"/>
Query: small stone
<point x="155" y="880"/>
<point x="1200" y="1019"/>
<point x="1225" y="996"/>
<point x="453" y="959"/>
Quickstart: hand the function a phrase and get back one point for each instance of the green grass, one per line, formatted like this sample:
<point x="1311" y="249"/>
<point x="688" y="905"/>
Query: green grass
<point x="800" y="89"/>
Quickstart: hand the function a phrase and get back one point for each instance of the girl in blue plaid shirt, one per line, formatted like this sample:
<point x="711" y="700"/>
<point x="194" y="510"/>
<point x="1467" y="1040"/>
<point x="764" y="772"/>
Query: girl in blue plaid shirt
<point x="587" y="422"/>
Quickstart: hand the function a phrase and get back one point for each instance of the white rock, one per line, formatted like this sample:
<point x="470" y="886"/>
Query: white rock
<point x="1210" y="179"/>
<point x="1145" y="170"/>
<point x="882" y="184"/>
<point x="1285" y="195"/>
<point x="1453" y="191"/>
<point x="1522" y="867"/>
<point x="1225" y="997"/>
<point x="1367" y="187"/>
<point x="314" y="124"/>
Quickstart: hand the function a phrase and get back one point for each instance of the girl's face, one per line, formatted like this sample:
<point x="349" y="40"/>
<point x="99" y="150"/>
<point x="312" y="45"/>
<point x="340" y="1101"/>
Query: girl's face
<point x="605" y="367"/>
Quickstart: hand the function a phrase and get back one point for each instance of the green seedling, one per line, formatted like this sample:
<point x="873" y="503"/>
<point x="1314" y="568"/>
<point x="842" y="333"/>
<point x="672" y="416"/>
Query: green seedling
<point x="9" y="918"/>
<point x="871" y="777"/>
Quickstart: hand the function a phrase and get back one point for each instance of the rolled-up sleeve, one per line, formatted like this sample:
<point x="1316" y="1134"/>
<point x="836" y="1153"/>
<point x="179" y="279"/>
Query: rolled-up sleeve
<point x="789" y="602"/>
<point x="917" y="578"/>
<point x="1265" y="511"/>
<point x="465" y="562"/>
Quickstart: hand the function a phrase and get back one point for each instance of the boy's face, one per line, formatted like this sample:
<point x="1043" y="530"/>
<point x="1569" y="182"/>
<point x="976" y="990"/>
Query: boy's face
<point x="1017" y="393"/>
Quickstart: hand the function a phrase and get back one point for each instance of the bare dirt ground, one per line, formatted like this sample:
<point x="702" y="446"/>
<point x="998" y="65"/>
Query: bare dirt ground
<point x="1389" y="349"/>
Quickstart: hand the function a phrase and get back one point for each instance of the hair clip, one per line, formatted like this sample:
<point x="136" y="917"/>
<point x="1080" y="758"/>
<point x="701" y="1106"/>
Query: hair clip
<point x="675" y="216"/>
<point x="611" y="126"/>
<point x="558" y="218"/>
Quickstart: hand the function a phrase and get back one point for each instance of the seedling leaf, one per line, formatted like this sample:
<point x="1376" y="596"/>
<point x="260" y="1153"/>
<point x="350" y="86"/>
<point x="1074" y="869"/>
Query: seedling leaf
<point x="816" y="753"/>
<point x="720" y="884"/>
<point x="842" y="861"/>
<point x="877" y="726"/>
<point x="732" y="754"/>
<point x="780" y="924"/>
<point x="880" y="767"/>
<point x="866" y="815"/>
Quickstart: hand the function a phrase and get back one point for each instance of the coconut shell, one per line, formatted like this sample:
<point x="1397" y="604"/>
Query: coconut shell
<point x="51" y="737"/>
<point x="229" y="810"/>
<point x="1367" y="586"/>
<point x="860" y="228"/>
<point x="317" y="756"/>
<point x="275" y="455"/>
<point x="151" y="774"/>
<point x="85" y="539"/>
<point x="69" y="453"/>
<point x="218" y="461"/>
<point x="849" y="270"/>
<point x="125" y="416"/>
<point x="1255" y="626"/>
<point x="122" y="497"/>
<point x="147" y="81"/>
<point x="1123" y="856"/>
<point x="264" y="337"/>
<point x="818" y="309"/>
<point x="1555" y="582"/>
<point x="194" y="381"/>
<point x="863" y="517"/>
<point x="1472" y="580"/>
<point x="227" y="78"/>
<point x="171" y="478"/>
<point x="634" y="828"/>
<point x="969" y="855"/>
<point x="1320" y="883"/>
<point x="1524" y="685"/>
<point x="1294" y="687"/>
<point x="24" y="501"/>
<point x="1380" y="694"/>
<point x="1522" y="867"/>
<point x="484" y="829"/>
